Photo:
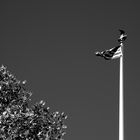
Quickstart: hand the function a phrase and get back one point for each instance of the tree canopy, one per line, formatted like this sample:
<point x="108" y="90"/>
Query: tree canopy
<point x="18" y="121"/>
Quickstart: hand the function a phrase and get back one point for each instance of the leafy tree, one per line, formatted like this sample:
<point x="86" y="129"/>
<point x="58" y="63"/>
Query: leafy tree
<point x="18" y="121"/>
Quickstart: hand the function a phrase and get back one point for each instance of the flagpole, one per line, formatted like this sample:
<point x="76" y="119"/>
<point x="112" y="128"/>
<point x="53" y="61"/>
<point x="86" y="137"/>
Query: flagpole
<point x="117" y="52"/>
<point x="121" y="99"/>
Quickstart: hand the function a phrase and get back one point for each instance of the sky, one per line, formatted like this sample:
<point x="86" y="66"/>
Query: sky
<point x="50" y="44"/>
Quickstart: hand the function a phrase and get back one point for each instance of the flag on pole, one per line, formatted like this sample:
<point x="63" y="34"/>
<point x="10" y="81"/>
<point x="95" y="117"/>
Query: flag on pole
<point x="112" y="53"/>
<point x="115" y="52"/>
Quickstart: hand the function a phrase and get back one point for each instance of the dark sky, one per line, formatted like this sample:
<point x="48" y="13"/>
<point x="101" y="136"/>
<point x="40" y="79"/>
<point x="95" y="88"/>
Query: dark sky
<point x="49" y="44"/>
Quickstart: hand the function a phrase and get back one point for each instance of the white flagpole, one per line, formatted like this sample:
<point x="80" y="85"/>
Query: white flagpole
<point x="121" y="99"/>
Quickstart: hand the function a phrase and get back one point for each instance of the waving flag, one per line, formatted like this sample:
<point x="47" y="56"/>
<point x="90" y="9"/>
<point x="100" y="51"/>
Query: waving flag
<point x="112" y="53"/>
<point x="115" y="52"/>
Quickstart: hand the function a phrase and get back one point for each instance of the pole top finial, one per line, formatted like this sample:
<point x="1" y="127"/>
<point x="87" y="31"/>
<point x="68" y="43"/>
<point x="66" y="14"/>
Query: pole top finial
<point x="122" y="37"/>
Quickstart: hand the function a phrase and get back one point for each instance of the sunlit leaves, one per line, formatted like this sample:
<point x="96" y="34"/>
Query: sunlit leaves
<point x="18" y="121"/>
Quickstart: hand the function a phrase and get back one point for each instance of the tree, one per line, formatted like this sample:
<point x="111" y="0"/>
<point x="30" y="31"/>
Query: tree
<point x="18" y="121"/>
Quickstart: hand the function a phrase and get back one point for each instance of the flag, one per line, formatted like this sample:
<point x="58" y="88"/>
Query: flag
<point x="115" y="52"/>
<point x="112" y="53"/>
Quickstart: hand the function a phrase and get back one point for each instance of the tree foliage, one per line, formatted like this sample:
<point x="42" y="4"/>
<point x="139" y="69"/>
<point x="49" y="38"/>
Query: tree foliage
<point x="18" y="121"/>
